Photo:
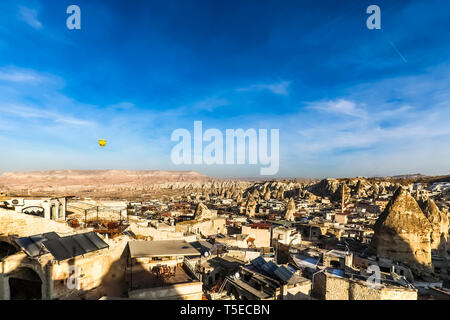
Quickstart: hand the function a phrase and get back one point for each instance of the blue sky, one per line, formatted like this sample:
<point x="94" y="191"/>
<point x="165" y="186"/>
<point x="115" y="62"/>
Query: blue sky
<point x="348" y="101"/>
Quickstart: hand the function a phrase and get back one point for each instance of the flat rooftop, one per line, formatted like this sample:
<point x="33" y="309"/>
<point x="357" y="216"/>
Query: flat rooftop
<point x="161" y="248"/>
<point x="146" y="280"/>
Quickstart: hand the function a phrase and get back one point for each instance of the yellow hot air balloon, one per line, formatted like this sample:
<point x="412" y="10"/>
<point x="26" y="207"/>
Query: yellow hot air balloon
<point x="102" y="143"/>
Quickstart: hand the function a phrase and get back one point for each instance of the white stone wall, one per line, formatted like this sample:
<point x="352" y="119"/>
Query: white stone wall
<point x="183" y="291"/>
<point x="12" y="222"/>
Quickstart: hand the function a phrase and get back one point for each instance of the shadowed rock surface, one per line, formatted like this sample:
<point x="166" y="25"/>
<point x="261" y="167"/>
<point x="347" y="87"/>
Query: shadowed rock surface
<point x="250" y="207"/>
<point x="402" y="233"/>
<point x="439" y="224"/>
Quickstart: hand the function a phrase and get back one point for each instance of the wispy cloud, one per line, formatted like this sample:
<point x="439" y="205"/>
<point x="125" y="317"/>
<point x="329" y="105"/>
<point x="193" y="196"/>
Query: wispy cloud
<point x="37" y="113"/>
<point x="19" y="75"/>
<point x="210" y="104"/>
<point x="122" y="106"/>
<point x="381" y="127"/>
<point x="280" y="88"/>
<point x="30" y="16"/>
<point x="341" y="106"/>
<point x="46" y="116"/>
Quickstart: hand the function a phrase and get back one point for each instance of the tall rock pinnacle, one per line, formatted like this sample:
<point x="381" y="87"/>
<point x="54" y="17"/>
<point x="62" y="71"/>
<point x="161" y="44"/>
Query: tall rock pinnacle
<point x="402" y="233"/>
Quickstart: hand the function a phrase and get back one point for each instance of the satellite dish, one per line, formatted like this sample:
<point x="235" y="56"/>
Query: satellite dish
<point x="206" y="254"/>
<point x="102" y="143"/>
<point x="237" y="275"/>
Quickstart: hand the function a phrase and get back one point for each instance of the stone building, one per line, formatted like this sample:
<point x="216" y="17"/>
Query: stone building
<point x="327" y="286"/>
<point x="259" y="234"/>
<point x="41" y="275"/>
<point x="47" y="266"/>
<point x="48" y="208"/>
<point x="161" y="270"/>
<point x="262" y="280"/>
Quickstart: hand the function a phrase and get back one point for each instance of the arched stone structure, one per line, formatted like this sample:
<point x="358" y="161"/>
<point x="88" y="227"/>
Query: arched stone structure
<point x="34" y="210"/>
<point x="53" y="208"/>
<point x="25" y="284"/>
<point x="23" y="278"/>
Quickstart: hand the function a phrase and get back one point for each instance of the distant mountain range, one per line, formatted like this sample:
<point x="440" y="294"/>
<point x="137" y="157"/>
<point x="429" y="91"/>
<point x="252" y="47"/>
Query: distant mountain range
<point x="99" y="177"/>
<point x="127" y="183"/>
<point x="83" y="182"/>
<point x="408" y="176"/>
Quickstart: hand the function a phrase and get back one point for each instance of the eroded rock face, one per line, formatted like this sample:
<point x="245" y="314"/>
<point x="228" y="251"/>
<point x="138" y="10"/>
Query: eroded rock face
<point x="202" y="212"/>
<point x="255" y="193"/>
<point x="280" y="195"/>
<point x="439" y="224"/>
<point x="325" y="188"/>
<point x="402" y="233"/>
<point x="236" y="194"/>
<point x="290" y="210"/>
<point x="360" y="189"/>
<point x="267" y="195"/>
<point x="338" y="194"/>
<point x="250" y="207"/>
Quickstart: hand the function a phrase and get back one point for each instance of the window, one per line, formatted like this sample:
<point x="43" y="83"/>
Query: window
<point x="335" y="264"/>
<point x="385" y="269"/>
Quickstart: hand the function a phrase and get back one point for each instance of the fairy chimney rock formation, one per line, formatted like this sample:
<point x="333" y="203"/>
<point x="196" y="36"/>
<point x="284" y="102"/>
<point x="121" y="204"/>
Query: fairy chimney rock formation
<point x="267" y="195"/>
<point x="439" y="224"/>
<point x="280" y="195"/>
<point x="402" y="233"/>
<point x="290" y="210"/>
<point x="202" y="212"/>
<point x="250" y="208"/>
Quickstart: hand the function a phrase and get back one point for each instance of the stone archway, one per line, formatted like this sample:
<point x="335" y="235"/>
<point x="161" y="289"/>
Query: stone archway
<point x="34" y="210"/>
<point x="25" y="284"/>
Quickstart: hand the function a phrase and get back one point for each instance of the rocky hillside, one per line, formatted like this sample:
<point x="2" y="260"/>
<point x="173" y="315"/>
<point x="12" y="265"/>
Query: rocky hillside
<point x="76" y="182"/>
<point x="99" y="177"/>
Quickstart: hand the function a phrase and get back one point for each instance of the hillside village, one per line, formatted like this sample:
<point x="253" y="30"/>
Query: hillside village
<point x="333" y="239"/>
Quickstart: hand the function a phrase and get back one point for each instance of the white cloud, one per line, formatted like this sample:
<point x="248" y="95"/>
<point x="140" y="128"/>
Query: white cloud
<point x="19" y="75"/>
<point x="210" y="104"/>
<point x="37" y="113"/>
<point x="30" y="17"/>
<point x="122" y="106"/>
<point x="344" y="107"/>
<point x="280" y="88"/>
<point x="378" y="131"/>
